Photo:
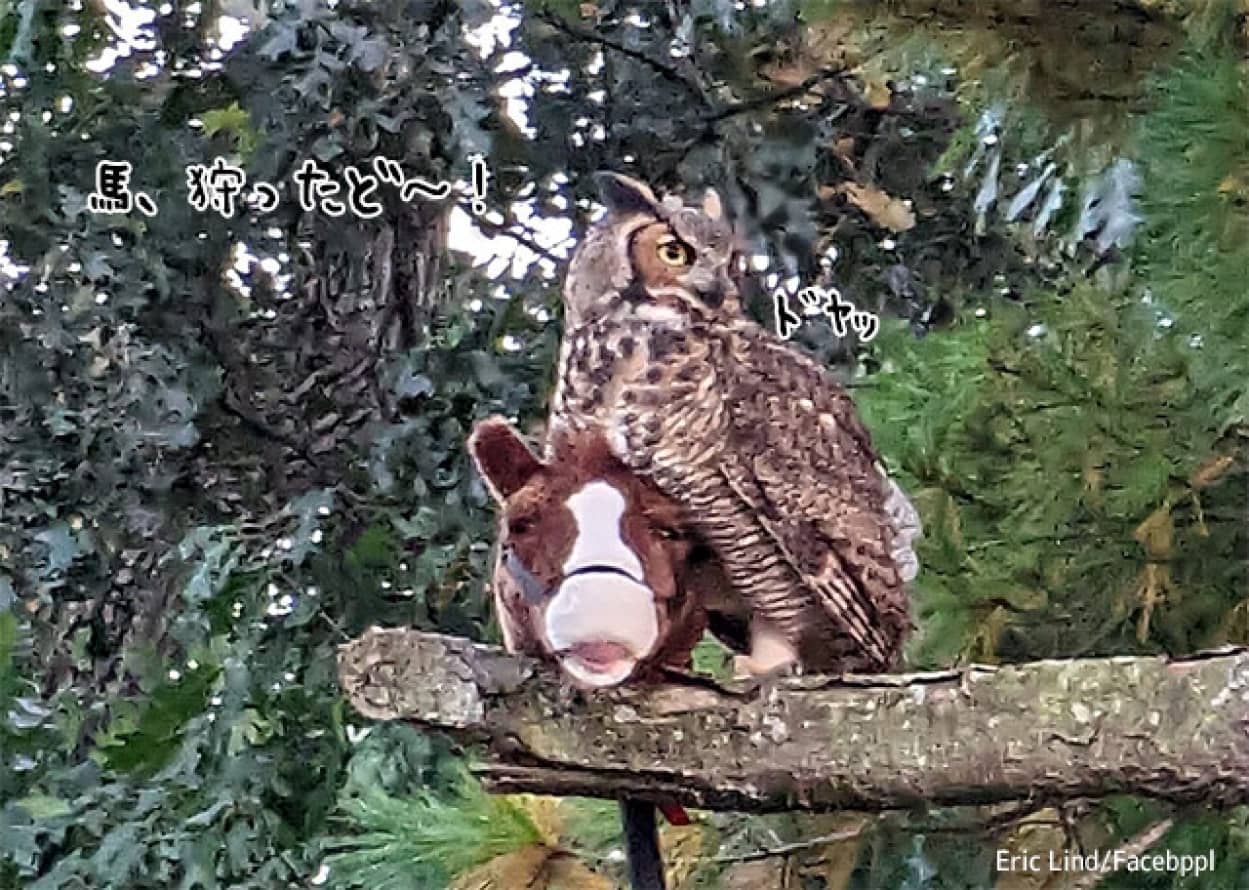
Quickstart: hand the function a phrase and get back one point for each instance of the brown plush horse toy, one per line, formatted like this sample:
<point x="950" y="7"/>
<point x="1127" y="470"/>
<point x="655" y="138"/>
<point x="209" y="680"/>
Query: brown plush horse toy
<point x="599" y="571"/>
<point x="595" y="568"/>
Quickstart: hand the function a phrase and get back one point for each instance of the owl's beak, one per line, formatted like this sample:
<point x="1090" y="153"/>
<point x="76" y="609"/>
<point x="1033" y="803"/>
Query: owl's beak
<point x="713" y="285"/>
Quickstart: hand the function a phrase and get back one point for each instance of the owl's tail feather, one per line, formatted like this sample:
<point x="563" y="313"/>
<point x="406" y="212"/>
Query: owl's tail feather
<point x="907" y="527"/>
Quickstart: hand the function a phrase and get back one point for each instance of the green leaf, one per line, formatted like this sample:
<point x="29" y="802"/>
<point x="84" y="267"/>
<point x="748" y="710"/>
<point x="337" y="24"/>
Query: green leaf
<point x="62" y="547"/>
<point x="234" y="121"/>
<point x="283" y="39"/>
<point x="374" y="549"/>
<point x="44" y="807"/>
<point x="214" y="555"/>
<point x="156" y="736"/>
<point x="813" y="11"/>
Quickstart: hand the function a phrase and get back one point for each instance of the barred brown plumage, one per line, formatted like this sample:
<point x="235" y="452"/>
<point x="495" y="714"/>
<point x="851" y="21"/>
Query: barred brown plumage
<point x="750" y="433"/>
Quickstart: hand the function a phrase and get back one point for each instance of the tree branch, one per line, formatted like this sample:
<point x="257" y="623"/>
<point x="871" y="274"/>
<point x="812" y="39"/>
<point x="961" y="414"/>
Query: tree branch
<point x="1050" y="730"/>
<point x="662" y="68"/>
<point x="824" y="74"/>
<point x="1136" y="846"/>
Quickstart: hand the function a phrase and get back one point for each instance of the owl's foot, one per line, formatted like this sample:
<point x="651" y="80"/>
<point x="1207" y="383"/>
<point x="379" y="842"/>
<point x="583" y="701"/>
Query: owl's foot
<point x="747" y="667"/>
<point x="771" y="654"/>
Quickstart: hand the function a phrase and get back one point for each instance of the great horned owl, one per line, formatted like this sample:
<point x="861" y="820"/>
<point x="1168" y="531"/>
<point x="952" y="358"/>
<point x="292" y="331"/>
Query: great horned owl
<point x="751" y="435"/>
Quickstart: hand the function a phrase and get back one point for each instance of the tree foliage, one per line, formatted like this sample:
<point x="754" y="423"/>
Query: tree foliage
<point x="227" y="444"/>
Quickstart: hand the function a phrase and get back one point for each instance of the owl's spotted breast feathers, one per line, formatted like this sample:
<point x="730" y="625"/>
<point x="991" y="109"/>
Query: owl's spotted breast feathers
<point x="767" y="452"/>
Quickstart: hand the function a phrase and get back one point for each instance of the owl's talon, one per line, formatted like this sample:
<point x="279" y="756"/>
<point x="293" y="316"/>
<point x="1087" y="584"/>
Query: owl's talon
<point x="745" y="667"/>
<point x="750" y="681"/>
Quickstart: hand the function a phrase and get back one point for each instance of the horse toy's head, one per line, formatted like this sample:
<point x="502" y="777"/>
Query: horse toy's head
<point x="595" y="568"/>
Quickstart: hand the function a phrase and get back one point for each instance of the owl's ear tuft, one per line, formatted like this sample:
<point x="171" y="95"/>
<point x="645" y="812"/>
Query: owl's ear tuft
<point x="712" y="205"/>
<point x="502" y="458"/>
<point x="624" y="194"/>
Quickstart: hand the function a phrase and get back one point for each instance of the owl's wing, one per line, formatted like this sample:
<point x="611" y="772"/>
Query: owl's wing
<point x="765" y="451"/>
<point x="803" y="462"/>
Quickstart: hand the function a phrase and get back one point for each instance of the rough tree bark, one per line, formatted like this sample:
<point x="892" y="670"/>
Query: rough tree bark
<point x="1176" y="729"/>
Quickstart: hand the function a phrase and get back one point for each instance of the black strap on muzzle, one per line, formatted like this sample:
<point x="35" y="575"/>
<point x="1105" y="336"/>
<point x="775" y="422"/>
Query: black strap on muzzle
<point x="534" y="591"/>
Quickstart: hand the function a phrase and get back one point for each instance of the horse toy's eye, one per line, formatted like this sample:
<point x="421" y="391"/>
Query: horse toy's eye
<point x="520" y="526"/>
<point x="673" y="253"/>
<point x="668" y="533"/>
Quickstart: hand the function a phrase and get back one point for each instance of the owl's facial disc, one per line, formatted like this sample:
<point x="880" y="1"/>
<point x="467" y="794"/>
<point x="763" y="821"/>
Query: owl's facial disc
<point x="602" y="620"/>
<point x="669" y="259"/>
<point x="660" y="258"/>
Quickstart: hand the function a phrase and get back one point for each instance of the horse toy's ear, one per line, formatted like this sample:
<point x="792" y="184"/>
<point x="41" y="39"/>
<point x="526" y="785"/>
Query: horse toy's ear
<point x="503" y="459"/>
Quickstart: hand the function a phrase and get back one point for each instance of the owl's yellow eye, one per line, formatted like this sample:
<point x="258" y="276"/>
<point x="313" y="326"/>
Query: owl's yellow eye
<point x="674" y="253"/>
